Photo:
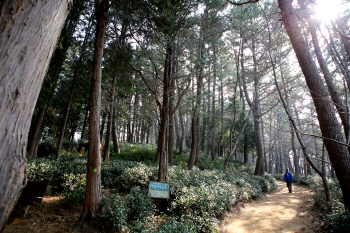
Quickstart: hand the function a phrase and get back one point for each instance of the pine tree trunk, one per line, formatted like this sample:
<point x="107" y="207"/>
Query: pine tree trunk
<point x="93" y="195"/>
<point x="161" y="156"/>
<point x="25" y="51"/>
<point x="330" y="127"/>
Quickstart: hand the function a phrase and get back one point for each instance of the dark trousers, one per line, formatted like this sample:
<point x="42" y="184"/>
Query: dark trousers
<point x="289" y="185"/>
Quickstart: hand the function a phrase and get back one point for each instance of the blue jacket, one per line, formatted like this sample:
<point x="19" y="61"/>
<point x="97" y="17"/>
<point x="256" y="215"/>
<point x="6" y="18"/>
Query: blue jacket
<point x="288" y="176"/>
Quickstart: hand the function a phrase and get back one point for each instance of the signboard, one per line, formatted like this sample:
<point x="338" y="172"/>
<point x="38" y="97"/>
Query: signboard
<point x="158" y="190"/>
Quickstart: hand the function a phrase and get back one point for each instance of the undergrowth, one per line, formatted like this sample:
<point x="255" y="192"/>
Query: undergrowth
<point x="198" y="196"/>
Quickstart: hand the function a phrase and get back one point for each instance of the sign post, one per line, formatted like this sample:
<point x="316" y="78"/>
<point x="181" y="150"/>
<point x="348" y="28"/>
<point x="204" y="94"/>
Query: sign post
<point x="158" y="190"/>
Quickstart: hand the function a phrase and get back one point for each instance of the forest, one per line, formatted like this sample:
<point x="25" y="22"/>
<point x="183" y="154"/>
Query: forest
<point x="217" y="98"/>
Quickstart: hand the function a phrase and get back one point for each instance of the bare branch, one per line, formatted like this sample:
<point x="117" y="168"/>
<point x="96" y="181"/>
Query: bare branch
<point x="242" y="3"/>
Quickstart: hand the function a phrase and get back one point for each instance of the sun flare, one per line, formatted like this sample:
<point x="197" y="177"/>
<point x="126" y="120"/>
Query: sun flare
<point x="327" y="10"/>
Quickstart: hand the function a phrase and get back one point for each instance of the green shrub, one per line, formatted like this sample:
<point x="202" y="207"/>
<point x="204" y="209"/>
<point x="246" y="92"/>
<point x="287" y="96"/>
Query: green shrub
<point x="47" y="148"/>
<point x="136" y="152"/>
<point x="136" y="176"/>
<point x="114" y="213"/>
<point x="112" y="170"/>
<point x="139" y="204"/>
<point x="338" y="220"/>
<point x="198" y="196"/>
<point x="74" y="189"/>
<point x="68" y="145"/>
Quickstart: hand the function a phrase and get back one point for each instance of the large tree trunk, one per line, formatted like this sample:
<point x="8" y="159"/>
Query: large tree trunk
<point x="93" y="177"/>
<point x="50" y="82"/>
<point x="259" y="169"/>
<point x="342" y="111"/>
<point x="25" y="51"/>
<point x="330" y="127"/>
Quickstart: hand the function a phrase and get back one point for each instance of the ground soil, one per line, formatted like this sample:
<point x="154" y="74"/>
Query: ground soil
<point x="279" y="211"/>
<point x="51" y="216"/>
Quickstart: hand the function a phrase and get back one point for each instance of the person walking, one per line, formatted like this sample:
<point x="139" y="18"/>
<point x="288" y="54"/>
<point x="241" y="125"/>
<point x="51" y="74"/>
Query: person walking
<point x="288" y="178"/>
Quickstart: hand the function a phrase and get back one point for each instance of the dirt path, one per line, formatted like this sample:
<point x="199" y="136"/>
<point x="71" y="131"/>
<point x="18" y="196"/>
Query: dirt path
<point x="279" y="211"/>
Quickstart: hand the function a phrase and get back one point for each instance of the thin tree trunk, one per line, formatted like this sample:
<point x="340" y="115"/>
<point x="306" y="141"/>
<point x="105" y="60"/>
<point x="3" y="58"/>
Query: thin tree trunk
<point x="34" y="138"/>
<point x="107" y="147"/>
<point x="26" y="48"/>
<point x="177" y="131"/>
<point x="84" y="124"/>
<point x="212" y="146"/>
<point x="182" y="125"/>
<point x="114" y="132"/>
<point x="103" y="123"/>
<point x="110" y="121"/>
<point x="208" y="116"/>
<point x="196" y="112"/>
<point x="65" y="118"/>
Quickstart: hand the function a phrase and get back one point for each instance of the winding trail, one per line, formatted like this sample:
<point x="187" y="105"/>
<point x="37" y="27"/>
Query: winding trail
<point x="279" y="211"/>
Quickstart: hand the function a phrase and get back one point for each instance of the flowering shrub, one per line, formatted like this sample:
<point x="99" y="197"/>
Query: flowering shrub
<point x="138" y="175"/>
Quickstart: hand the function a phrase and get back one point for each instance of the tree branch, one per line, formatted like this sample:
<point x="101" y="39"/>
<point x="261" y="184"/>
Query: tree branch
<point x="242" y="3"/>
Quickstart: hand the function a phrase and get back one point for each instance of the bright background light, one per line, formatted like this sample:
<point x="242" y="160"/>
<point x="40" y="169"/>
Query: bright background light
<point x="328" y="9"/>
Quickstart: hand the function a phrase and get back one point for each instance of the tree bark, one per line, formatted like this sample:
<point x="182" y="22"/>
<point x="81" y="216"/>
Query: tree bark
<point x="330" y="127"/>
<point x="342" y="111"/>
<point x="93" y="195"/>
<point x="50" y="82"/>
<point x="161" y="156"/>
<point x="259" y="169"/>
<point x="25" y="51"/>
